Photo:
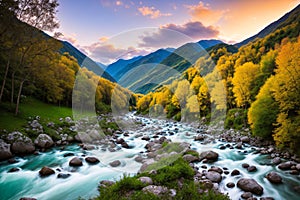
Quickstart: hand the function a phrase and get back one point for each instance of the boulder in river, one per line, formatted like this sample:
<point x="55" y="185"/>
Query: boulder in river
<point x="14" y="169"/>
<point x="115" y="163"/>
<point x="235" y="172"/>
<point x="285" y="166"/>
<point x="63" y="176"/>
<point x="252" y="168"/>
<point x="250" y="185"/>
<point x="27" y="198"/>
<point x="213" y="176"/>
<point x="4" y="151"/>
<point x="230" y="185"/>
<point x="209" y="155"/>
<point x="273" y="177"/>
<point x="75" y="162"/>
<point x="46" y="171"/>
<point x="190" y="158"/>
<point x="44" y="141"/>
<point x="276" y="160"/>
<point x="92" y="160"/>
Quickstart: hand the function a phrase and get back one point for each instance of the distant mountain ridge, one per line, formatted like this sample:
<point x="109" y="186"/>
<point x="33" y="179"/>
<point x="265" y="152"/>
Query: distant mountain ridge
<point x="85" y="61"/>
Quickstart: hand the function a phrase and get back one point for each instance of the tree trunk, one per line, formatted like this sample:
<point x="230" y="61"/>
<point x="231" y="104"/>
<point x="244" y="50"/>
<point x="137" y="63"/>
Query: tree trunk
<point x="19" y="96"/>
<point x="4" y="79"/>
<point x="12" y="88"/>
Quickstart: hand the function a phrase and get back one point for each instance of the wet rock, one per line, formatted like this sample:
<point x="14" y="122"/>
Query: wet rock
<point x="14" y="169"/>
<point x="252" y="169"/>
<point x="92" y="160"/>
<point x="245" y="165"/>
<point x="46" y="171"/>
<point x="285" y="166"/>
<point x="4" y="151"/>
<point x="68" y="154"/>
<point x="115" y="163"/>
<point x="146" y="137"/>
<point x="120" y="140"/>
<point x="139" y="159"/>
<point x="276" y="160"/>
<point x="44" y="141"/>
<point x="250" y="185"/>
<point x="239" y="145"/>
<point x="63" y="176"/>
<point x="298" y="167"/>
<point x="294" y="172"/>
<point x="190" y="158"/>
<point x="156" y="190"/>
<point x="75" y="162"/>
<point x="209" y="155"/>
<point x="266" y="198"/>
<point x="222" y="147"/>
<point x="230" y="185"/>
<point x="125" y="145"/>
<point x="199" y="138"/>
<point x="12" y="161"/>
<point x="247" y="195"/>
<point x="27" y="198"/>
<point x="213" y="176"/>
<point x="146" y="180"/>
<point x="274" y="177"/>
<point x="245" y="139"/>
<point x="216" y="169"/>
<point x="235" y="172"/>
<point x="207" y="184"/>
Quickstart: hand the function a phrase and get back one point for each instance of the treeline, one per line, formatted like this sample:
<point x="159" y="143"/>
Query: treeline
<point x="258" y="86"/>
<point x="30" y="62"/>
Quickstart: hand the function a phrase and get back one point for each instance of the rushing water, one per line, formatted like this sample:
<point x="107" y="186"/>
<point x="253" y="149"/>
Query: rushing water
<point x="84" y="180"/>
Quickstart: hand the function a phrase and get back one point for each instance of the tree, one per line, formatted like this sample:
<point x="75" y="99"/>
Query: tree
<point x="243" y="82"/>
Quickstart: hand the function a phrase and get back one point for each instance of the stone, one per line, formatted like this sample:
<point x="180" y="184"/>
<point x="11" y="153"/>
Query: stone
<point x="27" y="198"/>
<point x="125" y="145"/>
<point x="252" y="169"/>
<point x="199" y="138"/>
<point x="63" y="176"/>
<point x="250" y="185"/>
<point x="115" y="163"/>
<point x="146" y="180"/>
<point x="247" y="195"/>
<point x="46" y="171"/>
<point x="274" y="177"/>
<point x="146" y="137"/>
<point x="5" y="152"/>
<point x="14" y="169"/>
<point x="266" y="198"/>
<point x="190" y="158"/>
<point x="276" y="160"/>
<point x="216" y="169"/>
<point x="298" y="167"/>
<point x="239" y="145"/>
<point x="92" y="160"/>
<point x="235" y="172"/>
<point x="209" y="155"/>
<point x="22" y="145"/>
<point x="245" y="139"/>
<point x="44" y="141"/>
<point x="156" y="190"/>
<point x="106" y="183"/>
<point x="230" y="185"/>
<point x="285" y="166"/>
<point x="75" y="162"/>
<point x="245" y="165"/>
<point x="120" y="140"/>
<point x="68" y="154"/>
<point x="213" y="176"/>
<point x="207" y="184"/>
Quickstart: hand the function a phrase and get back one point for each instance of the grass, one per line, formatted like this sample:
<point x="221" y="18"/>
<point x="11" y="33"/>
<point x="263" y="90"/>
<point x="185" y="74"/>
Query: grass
<point x="30" y="108"/>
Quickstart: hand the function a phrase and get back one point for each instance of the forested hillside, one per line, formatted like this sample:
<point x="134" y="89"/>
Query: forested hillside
<point x="261" y="82"/>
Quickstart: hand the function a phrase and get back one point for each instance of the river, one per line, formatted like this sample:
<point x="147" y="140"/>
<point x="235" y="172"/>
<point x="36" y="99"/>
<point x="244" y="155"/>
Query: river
<point x="84" y="180"/>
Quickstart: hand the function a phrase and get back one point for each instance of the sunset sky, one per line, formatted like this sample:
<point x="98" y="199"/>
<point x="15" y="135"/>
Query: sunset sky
<point x="108" y="29"/>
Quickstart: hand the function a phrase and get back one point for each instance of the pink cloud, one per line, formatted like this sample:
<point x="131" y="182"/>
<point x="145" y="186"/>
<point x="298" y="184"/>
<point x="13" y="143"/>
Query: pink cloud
<point x="152" y="12"/>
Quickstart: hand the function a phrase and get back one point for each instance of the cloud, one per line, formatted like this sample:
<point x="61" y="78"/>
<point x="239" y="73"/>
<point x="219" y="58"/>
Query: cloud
<point x="152" y="12"/>
<point x="119" y="3"/>
<point x="70" y="38"/>
<point x="202" y="12"/>
<point x="107" y="53"/>
<point x="172" y="35"/>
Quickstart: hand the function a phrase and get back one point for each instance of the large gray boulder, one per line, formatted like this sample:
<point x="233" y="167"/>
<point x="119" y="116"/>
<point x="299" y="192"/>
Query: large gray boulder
<point x="4" y="151"/>
<point x="250" y="185"/>
<point x="44" y="141"/>
<point x="273" y="177"/>
<point x="156" y="190"/>
<point x="21" y="144"/>
<point x="209" y="155"/>
<point x="213" y="176"/>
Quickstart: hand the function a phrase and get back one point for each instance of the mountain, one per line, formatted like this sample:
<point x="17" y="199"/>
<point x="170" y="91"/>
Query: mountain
<point x="85" y="61"/>
<point x="101" y="65"/>
<point x="209" y="43"/>
<point x="121" y="67"/>
<point x="289" y="18"/>
<point x="115" y="68"/>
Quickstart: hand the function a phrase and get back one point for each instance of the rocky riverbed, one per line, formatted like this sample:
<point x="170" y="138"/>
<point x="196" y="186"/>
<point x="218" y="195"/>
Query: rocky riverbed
<point x="228" y="161"/>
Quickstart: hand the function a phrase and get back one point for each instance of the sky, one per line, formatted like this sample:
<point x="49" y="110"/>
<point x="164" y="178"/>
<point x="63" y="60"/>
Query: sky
<point x="107" y="30"/>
